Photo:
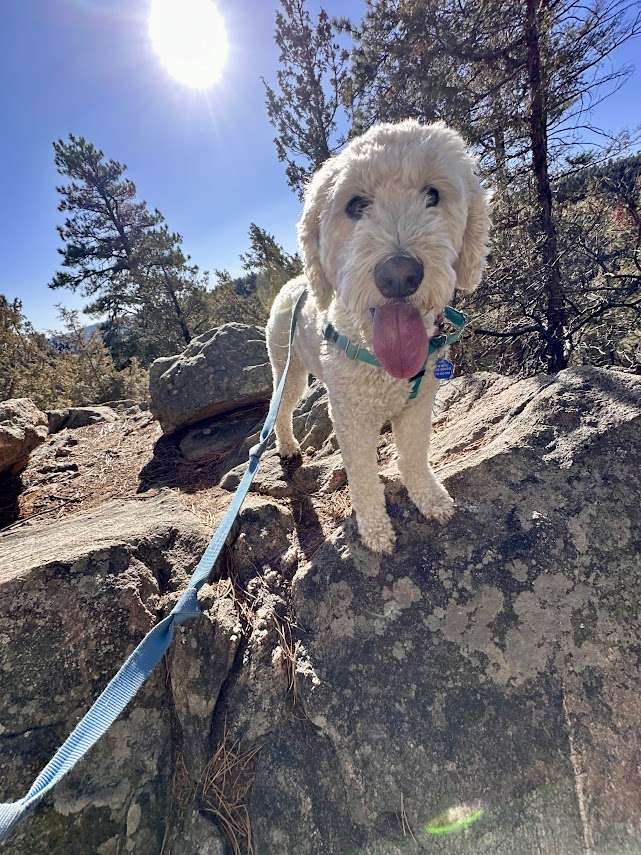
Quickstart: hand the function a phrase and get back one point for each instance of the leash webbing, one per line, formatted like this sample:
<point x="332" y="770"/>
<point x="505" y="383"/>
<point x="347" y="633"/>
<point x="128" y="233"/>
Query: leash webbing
<point x="129" y="679"/>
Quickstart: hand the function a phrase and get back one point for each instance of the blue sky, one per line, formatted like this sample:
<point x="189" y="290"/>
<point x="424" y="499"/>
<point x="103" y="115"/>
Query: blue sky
<point x="206" y="160"/>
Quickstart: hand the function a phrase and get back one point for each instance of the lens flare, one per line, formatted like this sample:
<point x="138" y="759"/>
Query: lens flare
<point x="454" y="819"/>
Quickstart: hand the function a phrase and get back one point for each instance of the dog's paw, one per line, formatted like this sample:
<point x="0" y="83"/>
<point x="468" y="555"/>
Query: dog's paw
<point x="442" y="510"/>
<point x="377" y="535"/>
<point x="288" y="449"/>
<point x="435" y="504"/>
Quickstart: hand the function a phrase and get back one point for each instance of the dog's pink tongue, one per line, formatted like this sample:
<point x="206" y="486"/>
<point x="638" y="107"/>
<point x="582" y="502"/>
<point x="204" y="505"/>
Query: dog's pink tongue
<point x="400" y="339"/>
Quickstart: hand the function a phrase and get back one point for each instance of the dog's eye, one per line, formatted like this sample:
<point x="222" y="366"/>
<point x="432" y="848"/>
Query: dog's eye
<point x="431" y="197"/>
<point x="357" y="206"/>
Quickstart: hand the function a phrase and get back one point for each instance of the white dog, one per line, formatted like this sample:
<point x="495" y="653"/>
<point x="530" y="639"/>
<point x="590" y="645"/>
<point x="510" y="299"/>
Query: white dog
<point x="390" y="227"/>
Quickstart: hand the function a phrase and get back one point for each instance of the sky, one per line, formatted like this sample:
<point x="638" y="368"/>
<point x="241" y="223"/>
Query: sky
<point x="206" y="160"/>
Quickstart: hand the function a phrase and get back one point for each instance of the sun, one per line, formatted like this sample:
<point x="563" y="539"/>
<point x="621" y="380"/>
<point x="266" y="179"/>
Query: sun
<point x="190" y="40"/>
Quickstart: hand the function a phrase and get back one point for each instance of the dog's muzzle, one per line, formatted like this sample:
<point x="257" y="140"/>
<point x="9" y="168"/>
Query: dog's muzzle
<point x="398" y="277"/>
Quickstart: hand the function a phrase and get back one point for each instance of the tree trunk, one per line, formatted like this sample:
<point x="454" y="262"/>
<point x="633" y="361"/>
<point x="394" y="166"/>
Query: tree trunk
<point x="555" y="309"/>
<point x="180" y="315"/>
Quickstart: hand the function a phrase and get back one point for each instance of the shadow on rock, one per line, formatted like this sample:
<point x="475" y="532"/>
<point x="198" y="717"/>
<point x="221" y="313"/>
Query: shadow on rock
<point x="307" y="523"/>
<point x="273" y="534"/>
<point x="198" y="456"/>
<point x="10" y="489"/>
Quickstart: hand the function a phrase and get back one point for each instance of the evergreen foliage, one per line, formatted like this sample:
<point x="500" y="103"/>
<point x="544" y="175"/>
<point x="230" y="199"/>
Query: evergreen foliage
<point x="270" y="264"/>
<point x="126" y="258"/>
<point x="268" y="268"/>
<point x="619" y="175"/>
<point x="311" y="78"/>
<point x="517" y="80"/>
<point x="26" y="358"/>
<point x="69" y="368"/>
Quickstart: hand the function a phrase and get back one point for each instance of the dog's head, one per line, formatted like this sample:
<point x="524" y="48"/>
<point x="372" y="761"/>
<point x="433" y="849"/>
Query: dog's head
<point x="399" y="216"/>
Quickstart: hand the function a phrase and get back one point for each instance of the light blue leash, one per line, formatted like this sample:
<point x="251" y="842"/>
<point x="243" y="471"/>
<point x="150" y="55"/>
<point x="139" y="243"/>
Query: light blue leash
<point x="146" y="656"/>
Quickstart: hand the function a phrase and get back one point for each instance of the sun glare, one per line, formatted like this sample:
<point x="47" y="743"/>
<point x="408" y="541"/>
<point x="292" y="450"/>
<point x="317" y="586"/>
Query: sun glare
<point x="190" y="40"/>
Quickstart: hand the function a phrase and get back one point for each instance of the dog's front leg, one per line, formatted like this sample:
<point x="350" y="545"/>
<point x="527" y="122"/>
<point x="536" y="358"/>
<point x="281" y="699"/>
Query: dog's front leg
<point x="412" y="433"/>
<point x="358" y="441"/>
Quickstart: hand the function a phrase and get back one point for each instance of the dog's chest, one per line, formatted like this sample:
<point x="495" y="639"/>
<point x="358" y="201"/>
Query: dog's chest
<point x="366" y="389"/>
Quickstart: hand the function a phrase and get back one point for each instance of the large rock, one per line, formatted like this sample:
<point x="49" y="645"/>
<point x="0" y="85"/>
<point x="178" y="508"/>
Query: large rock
<point x="22" y="428"/>
<point x="221" y="370"/>
<point x="487" y="669"/>
<point x="77" y="417"/>
<point x="76" y="597"/>
<point x="476" y="692"/>
<point x="313" y="428"/>
<point x="221" y="435"/>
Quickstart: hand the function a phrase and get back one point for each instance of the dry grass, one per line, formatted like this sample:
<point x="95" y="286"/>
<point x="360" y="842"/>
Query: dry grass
<point x="244" y="601"/>
<point x="184" y="790"/>
<point x="407" y="830"/>
<point x="224" y="791"/>
<point x="290" y="648"/>
<point x="77" y="470"/>
<point x="333" y="509"/>
<point x="86" y="467"/>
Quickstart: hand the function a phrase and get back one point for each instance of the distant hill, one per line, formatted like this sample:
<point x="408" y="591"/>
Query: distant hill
<point x="91" y="329"/>
<point x="62" y="344"/>
<point x="620" y="173"/>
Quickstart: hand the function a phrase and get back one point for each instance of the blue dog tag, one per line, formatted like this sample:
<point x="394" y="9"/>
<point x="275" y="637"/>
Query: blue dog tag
<point x="443" y="369"/>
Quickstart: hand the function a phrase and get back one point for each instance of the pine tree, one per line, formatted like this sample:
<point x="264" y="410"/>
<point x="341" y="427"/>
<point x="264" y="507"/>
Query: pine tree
<point x="306" y="110"/>
<point x="248" y="298"/>
<point x="273" y="266"/>
<point x="517" y="80"/>
<point x="124" y="257"/>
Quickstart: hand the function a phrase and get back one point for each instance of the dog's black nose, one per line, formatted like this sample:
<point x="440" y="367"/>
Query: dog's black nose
<point x="398" y="277"/>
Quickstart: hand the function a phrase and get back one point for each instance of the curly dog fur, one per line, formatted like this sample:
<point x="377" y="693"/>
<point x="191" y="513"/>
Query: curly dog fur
<point x="390" y="227"/>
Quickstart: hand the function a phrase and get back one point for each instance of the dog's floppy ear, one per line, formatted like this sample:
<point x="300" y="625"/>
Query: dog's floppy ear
<point x="473" y="255"/>
<point x="316" y="194"/>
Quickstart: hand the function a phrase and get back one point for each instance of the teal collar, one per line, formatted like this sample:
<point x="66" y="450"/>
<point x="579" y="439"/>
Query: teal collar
<point x="355" y="351"/>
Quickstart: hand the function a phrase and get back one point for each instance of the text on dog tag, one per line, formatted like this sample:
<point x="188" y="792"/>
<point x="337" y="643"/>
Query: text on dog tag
<point x="443" y="369"/>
